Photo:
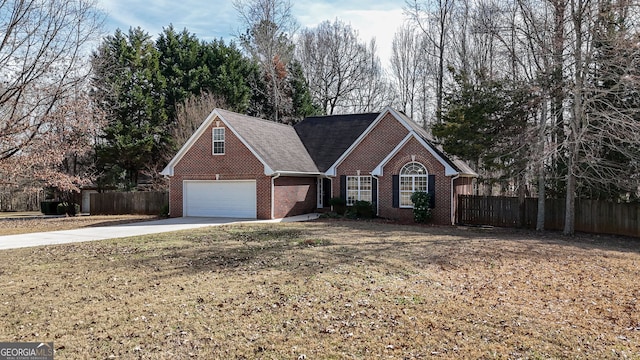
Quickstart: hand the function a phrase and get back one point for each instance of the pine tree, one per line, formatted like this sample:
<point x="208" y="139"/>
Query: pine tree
<point x="130" y="91"/>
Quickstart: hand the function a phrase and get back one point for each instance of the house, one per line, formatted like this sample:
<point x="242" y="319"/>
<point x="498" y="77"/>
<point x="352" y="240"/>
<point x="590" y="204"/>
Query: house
<point x="240" y="166"/>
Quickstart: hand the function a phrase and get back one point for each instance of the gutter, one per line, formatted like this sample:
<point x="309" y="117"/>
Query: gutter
<point x="295" y="173"/>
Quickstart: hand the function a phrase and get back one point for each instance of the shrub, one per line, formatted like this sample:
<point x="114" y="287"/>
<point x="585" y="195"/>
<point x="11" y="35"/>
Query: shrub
<point x="364" y="210"/>
<point x="70" y="209"/>
<point x="164" y="211"/>
<point x="339" y="205"/>
<point x="49" y="207"/>
<point x="421" y="210"/>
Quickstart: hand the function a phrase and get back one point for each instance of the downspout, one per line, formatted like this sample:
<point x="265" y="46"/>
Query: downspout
<point x="453" y="214"/>
<point x="273" y="195"/>
<point x="377" y="194"/>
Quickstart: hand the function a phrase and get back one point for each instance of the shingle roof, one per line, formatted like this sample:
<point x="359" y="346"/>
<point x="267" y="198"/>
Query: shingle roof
<point x="277" y="144"/>
<point x="326" y="138"/>
<point x="313" y="146"/>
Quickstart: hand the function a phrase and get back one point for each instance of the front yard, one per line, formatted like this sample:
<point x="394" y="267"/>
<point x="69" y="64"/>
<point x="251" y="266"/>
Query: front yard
<point x="334" y="289"/>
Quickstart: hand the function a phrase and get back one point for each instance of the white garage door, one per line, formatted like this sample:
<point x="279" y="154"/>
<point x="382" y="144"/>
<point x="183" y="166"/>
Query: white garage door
<point x="220" y="198"/>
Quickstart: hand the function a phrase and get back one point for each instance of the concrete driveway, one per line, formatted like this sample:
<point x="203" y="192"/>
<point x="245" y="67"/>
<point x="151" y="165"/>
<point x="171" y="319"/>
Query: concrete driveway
<point x="126" y="230"/>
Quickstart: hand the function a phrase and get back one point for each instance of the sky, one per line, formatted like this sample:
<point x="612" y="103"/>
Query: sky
<point x="214" y="19"/>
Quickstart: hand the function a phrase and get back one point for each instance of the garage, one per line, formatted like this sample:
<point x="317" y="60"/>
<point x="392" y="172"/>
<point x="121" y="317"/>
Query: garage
<point x="219" y="198"/>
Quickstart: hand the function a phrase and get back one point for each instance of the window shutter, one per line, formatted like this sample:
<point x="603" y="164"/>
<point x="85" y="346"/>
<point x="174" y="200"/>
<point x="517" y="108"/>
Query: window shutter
<point x="396" y="190"/>
<point x="343" y="187"/>
<point x="431" y="187"/>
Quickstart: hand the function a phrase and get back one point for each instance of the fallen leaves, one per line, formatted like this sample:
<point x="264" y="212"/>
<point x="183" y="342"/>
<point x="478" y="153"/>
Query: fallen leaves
<point x="327" y="290"/>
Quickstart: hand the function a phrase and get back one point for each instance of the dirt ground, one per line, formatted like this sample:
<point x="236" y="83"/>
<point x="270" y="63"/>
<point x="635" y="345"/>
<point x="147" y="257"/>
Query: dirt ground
<point x="329" y="290"/>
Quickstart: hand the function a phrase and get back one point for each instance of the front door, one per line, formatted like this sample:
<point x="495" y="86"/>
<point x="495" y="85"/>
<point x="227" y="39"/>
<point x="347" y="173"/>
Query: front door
<point x="324" y="192"/>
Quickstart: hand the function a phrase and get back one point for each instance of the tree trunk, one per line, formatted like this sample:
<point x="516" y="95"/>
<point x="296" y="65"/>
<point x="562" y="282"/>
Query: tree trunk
<point x="521" y="200"/>
<point x="440" y="85"/>
<point x="541" y="175"/>
<point x="570" y="201"/>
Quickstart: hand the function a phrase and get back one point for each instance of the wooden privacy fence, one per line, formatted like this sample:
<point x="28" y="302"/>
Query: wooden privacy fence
<point x="593" y="216"/>
<point x="121" y="203"/>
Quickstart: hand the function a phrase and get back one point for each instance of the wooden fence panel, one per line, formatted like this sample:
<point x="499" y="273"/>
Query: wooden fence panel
<point x="484" y="210"/>
<point x="593" y="216"/>
<point x="121" y="203"/>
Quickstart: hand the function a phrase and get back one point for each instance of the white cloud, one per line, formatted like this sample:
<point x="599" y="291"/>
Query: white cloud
<point x="378" y="24"/>
<point x="218" y="19"/>
<point x="379" y="20"/>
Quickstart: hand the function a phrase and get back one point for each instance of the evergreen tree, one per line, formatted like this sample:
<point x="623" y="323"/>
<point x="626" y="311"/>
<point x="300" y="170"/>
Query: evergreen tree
<point x="485" y="123"/>
<point x="303" y="105"/>
<point x="230" y="74"/>
<point x="183" y="66"/>
<point x="129" y="88"/>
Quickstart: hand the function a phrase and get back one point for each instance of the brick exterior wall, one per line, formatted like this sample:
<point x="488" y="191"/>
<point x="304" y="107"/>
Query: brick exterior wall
<point x="370" y="153"/>
<point x="441" y="214"/>
<point x="295" y="196"/>
<point x="238" y="163"/>
<point x="298" y="195"/>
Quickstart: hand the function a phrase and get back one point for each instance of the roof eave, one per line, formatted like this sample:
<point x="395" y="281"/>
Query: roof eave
<point x="297" y="173"/>
<point x="169" y="169"/>
<point x="333" y="169"/>
<point x="448" y="169"/>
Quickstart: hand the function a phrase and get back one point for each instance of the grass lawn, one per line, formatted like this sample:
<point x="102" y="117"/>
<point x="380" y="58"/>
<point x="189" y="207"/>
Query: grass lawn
<point x="328" y="290"/>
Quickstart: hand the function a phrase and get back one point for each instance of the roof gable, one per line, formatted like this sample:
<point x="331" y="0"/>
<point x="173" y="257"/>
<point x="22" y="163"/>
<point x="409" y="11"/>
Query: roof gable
<point x="326" y="138"/>
<point x="452" y="167"/>
<point x="275" y="145"/>
<point x="458" y="165"/>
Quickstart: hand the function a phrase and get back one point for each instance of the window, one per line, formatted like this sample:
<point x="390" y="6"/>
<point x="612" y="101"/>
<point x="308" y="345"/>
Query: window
<point x="358" y="188"/>
<point x="413" y="178"/>
<point x="218" y="141"/>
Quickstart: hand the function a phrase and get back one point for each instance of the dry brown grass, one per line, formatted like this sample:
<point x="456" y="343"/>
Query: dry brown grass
<point x="329" y="290"/>
<point x="34" y="224"/>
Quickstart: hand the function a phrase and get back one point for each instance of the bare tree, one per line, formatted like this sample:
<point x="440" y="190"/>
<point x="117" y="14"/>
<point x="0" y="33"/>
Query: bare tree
<point x="335" y="63"/>
<point x="584" y="58"/>
<point x="433" y="17"/>
<point x="59" y="156"/>
<point x="270" y="28"/>
<point x="47" y="122"/>
<point x="189" y="116"/>
<point x="409" y="68"/>
<point x="191" y="113"/>
<point x="43" y="61"/>
<point x="374" y="91"/>
<point x="601" y="143"/>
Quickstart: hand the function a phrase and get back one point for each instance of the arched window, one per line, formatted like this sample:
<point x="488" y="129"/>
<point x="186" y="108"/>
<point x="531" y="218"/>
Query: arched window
<point x="413" y="177"/>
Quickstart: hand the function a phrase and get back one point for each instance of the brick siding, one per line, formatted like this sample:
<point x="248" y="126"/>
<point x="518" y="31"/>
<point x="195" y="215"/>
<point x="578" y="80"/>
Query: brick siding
<point x="372" y="150"/>
<point x="295" y="196"/>
<point x="298" y="195"/>
<point x="238" y="163"/>
<point x="441" y="214"/>
<point x="370" y="153"/>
